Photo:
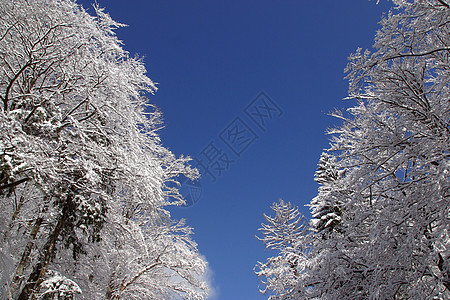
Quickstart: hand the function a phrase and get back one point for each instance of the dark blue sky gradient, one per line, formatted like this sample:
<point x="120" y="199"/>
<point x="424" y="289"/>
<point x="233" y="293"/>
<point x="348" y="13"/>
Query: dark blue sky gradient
<point x="211" y="58"/>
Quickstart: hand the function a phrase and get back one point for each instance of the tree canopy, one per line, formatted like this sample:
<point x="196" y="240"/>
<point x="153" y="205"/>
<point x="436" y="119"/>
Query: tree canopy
<point x="84" y="178"/>
<point x="381" y="218"/>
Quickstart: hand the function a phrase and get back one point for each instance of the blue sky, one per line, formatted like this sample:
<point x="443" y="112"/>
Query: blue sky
<point x="211" y="59"/>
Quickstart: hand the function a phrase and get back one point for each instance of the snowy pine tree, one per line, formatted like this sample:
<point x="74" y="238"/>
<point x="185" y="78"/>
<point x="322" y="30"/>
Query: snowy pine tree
<point x="327" y="205"/>
<point x="287" y="235"/>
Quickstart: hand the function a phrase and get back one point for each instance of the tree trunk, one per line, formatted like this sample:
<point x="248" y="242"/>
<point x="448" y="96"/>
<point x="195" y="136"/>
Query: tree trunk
<point x="40" y="269"/>
<point x="17" y="279"/>
<point x="443" y="267"/>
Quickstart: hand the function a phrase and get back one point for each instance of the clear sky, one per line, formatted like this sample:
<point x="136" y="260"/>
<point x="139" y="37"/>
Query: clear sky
<point x="211" y="59"/>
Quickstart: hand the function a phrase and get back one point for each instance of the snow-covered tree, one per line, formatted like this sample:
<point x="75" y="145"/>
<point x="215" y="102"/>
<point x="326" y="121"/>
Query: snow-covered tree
<point x="394" y="145"/>
<point x="287" y="235"/>
<point x="327" y="205"/>
<point x="81" y="163"/>
<point x="381" y="228"/>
